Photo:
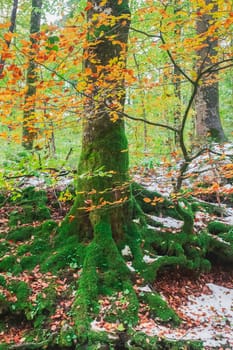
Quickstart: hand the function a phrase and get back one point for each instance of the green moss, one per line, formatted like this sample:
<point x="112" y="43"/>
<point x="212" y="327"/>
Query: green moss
<point x="4" y="304"/>
<point x="221" y="248"/>
<point x="49" y="226"/>
<point x="208" y="207"/>
<point x="70" y="254"/>
<point x="29" y="213"/>
<point x="22" y="292"/>
<point x="29" y="262"/>
<point x="4" y="247"/>
<point x="42" y="213"/>
<point x="22" y="233"/>
<point x="228" y="236"/>
<point x="186" y="213"/>
<point x="160" y="309"/>
<point x="134" y="238"/>
<point x="9" y="264"/>
<point x="2" y="281"/>
<point x="140" y="341"/>
<point x="43" y="306"/>
<point x="31" y="194"/>
<point x="2" y="199"/>
<point x="67" y="336"/>
<point x="162" y="262"/>
<point x="216" y="227"/>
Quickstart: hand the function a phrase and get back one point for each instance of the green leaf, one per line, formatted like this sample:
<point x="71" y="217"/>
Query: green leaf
<point x="121" y="327"/>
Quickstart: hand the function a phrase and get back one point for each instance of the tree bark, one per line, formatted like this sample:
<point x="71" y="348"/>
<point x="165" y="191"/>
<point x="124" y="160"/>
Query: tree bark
<point x="10" y="30"/>
<point x="29" y="129"/>
<point x="103" y="182"/>
<point x="208" y="123"/>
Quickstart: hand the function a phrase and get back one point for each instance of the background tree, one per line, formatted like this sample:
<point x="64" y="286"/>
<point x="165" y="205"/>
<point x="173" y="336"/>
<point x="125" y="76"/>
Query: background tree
<point x="29" y="120"/>
<point x="8" y="36"/>
<point x="208" y="122"/>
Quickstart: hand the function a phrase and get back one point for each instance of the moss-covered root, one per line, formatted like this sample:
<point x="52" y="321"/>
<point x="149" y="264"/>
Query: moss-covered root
<point x="160" y="309"/>
<point x="163" y="205"/>
<point x="185" y="211"/>
<point x="139" y="341"/>
<point x="217" y="227"/>
<point x="104" y="273"/>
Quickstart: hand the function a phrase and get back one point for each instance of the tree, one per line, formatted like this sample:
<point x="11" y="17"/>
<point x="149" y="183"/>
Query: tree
<point x="103" y="210"/>
<point x="8" y="35"/>
<point x="208" y="123"/>
<point x="29" y="128"/>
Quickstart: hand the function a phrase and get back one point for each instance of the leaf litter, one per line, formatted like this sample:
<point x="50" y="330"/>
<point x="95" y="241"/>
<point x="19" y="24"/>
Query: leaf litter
<point x="204" y="303"/>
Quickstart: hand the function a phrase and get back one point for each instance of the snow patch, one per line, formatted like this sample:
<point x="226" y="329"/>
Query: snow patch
<point x="126" y="251"/>
<point x="148" y="260"/>
<point x="168" y="221"/>
<point x="145" y="289"/>
<point x="130" y="267"/>
<point x="214" y="312"/>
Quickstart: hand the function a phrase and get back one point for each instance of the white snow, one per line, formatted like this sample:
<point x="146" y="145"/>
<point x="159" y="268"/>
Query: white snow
<point x="167" y="222"/>
<point x="213" y="311"/>
<point x="126" y="251"/>
<point x="216" y="312"/>
<point x="145" y="288"/>
<point x="148" y="260"/>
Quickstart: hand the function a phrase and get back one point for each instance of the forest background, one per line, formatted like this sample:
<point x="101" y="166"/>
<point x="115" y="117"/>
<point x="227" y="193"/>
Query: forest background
<point x="73" y="90"/>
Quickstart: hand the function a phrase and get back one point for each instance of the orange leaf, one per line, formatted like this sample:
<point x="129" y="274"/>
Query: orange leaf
<point x="5" y="25"/>
<point x="147" y="200"/>
<point x="89" y="6"/>
<point x="71" y="218"/>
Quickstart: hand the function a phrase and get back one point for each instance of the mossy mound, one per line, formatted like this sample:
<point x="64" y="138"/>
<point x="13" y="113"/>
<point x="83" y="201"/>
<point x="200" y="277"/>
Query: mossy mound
<point x="216" y="227"/>
<point x="31" y="246"/>
<point x="31" y="206"/>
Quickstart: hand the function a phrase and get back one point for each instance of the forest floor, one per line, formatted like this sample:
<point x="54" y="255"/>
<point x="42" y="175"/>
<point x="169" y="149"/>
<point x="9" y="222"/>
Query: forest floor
<point x="204" y="302"/>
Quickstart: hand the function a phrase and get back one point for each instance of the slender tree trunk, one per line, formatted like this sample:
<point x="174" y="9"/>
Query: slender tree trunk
<point x="10" y="30"/>
<point x="177" y="82"/>
<point x="142" y="98"/>
<point x="208" y="123"/>
<point x="29" y="129"/>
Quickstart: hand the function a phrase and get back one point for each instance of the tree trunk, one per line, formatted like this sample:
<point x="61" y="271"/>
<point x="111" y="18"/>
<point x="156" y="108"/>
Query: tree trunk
<point x="102" y="212"/>
<point x="29" y="128"/>
<point x="103" y="182"/>
<point x="106" y="216"/>
<point x="208" y="123"/>
<point x="11" y="30"/>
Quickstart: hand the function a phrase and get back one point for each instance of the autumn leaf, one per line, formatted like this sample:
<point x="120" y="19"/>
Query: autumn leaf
<point x="147" y="200"/>
<point x="89" y="6"/>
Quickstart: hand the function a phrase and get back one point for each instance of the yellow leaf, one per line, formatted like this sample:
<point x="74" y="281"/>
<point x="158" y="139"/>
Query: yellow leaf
<point x="114" y="116"/>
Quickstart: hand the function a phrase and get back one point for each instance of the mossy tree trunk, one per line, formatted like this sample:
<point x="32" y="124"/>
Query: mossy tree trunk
<point x="29" y="129"/>
<point x="106" y="215"/>
<point x="103" y="209"/>
<point x="103" y="181"/>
